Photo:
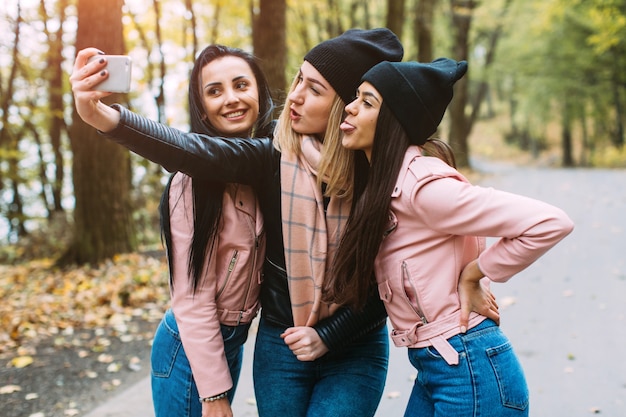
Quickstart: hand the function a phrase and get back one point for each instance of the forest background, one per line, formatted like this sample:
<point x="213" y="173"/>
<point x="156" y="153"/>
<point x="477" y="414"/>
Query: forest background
<point x="79" y="226"/>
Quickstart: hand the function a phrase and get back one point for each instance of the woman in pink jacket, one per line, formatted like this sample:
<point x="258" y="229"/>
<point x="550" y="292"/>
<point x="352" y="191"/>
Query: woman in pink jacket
<point x="419" y="226"/>
<point x="215" y="247"/>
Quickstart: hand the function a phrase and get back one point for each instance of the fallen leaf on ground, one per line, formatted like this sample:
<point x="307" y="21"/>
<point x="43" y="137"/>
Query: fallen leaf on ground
<point x="42" y="300"/>
<point x="21" y="361"/>
<point x="9" y="389"/>
<point x="105" y="358"/>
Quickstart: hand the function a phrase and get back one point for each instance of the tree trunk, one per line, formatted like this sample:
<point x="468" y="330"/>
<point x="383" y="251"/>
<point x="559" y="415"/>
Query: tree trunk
<point x="585" y="148"/>
<point x="103" y="224"/>
<point x="618" y="136"/>
<point x="483" y="86"/>
<point x="461" y="22"/>
<point x="55" y="75"/>
<point x="423" y="29"/>
<point x="159" y="98"/>
<point x="461" y="125"/>
<point x="566" y="135"/>
<point x="193" y="29"/>
<point x="269" y="44"/>
<point x="395" y="16"/>
<point x="9" y="141"/>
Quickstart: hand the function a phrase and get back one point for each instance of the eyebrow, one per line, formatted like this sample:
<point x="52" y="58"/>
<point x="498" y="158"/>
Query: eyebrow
<point x="237" y="78"/>
<point x="314" y="81"/>
<point x="370" y="94"/>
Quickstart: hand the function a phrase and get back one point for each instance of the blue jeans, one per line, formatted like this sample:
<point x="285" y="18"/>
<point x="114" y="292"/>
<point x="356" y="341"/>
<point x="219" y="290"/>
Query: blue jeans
<point x="344" y="383"/>
<point x="488" y="381"/>
<point x="174" y="391"/>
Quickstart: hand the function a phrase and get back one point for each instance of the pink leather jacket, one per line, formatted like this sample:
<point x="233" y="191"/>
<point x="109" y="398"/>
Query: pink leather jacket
<point x="229" y="293"/>
<point x="438" y="224"/>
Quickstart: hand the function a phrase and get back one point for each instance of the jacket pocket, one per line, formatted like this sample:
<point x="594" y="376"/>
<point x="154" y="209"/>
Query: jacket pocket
<point x="229" y="273"/>
<point x="510" y="376"/>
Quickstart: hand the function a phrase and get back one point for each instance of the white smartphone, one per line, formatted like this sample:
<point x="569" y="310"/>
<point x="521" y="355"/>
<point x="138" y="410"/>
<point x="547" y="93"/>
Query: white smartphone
<point x="119" y="68"/>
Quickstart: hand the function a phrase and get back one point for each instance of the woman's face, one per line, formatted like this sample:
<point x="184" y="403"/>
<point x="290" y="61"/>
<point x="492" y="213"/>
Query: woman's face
<point x="310" y="102"/>
<point x="230" y="95"/>
<point x="359" y="125"/>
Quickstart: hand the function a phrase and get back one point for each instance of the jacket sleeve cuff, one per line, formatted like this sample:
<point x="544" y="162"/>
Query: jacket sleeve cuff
<point x="347" y="325"/>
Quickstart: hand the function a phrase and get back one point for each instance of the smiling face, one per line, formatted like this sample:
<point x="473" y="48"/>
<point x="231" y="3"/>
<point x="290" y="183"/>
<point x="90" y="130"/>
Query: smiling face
<point x="359" y="126"/>
<point x="310" y="102"/>
<point x="230" y="95"/>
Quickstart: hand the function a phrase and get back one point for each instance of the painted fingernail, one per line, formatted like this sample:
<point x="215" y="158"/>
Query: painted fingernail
<point x="102" y="73"/>
<point x="101" y="60"/>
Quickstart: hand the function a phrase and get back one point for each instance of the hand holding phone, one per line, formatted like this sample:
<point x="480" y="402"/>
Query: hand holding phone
<point x="119" y="68"/>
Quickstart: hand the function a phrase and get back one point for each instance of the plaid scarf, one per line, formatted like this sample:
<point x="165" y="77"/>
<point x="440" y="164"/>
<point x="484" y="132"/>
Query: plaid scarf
<point x="310" y="234"/>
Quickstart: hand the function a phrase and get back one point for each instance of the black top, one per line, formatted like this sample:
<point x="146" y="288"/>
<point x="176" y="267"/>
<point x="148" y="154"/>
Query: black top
<point x="254" y="162"/>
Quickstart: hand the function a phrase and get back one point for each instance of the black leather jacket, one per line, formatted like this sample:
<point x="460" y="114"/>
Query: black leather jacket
<point x="246" y="161"/>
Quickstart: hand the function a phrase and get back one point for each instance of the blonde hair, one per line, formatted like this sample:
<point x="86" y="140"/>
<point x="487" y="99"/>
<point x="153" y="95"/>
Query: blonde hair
<point x="336" y="163"/>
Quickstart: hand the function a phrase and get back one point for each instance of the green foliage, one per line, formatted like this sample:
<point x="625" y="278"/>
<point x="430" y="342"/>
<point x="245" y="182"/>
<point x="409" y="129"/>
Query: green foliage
<point x="561" y="54"/>
<point x="552" y="55"/>
<point x="609" y="157"/>
<point x="310" y="22"/>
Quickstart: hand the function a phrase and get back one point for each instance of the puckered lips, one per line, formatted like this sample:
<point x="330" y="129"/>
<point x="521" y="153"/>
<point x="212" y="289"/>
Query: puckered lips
<point x="294" y="115"/>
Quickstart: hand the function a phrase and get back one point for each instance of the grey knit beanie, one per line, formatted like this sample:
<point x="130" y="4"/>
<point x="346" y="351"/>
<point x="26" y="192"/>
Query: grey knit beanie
<point x="343" y="60"/>
<point x="417" y="93"/>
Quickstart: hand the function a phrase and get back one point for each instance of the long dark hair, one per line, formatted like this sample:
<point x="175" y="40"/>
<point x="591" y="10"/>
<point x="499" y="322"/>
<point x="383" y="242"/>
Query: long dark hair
<point x="207" y="195"/>
<point x="352" y="278"/>
<point x="352" y="273"/>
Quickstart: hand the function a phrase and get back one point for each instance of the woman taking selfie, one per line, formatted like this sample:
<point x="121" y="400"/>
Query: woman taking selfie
<point x="311" y="358"/>
<point x="213" y="233"/>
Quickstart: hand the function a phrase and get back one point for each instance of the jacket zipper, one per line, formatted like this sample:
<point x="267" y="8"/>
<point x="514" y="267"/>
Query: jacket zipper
<point x="231" y="267"/>
<point x="280" y="268"/>
<point x="417" y="307"/>
<point x="252" y="272"/>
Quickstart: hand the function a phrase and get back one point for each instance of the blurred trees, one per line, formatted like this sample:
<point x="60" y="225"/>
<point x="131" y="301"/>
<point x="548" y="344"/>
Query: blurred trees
<point x="564" y="70"/>
<point x="544" y="73"/>
<point x="101" y="170"/>
<point x="9" y="177"/>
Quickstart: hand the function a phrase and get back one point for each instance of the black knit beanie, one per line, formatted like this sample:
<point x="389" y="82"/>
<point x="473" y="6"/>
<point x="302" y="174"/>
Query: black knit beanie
<point x="417" y="94"/>
<point x="343" y="60"/>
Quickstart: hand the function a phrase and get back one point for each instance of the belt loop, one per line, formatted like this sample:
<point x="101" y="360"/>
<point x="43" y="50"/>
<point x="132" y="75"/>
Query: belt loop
<point x="446" y="350"/>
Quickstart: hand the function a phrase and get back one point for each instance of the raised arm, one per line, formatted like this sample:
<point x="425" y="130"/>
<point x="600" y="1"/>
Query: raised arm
<point x="85" y="76"/>
<point x="526" y="228"/>
<point x="244" y="161"/>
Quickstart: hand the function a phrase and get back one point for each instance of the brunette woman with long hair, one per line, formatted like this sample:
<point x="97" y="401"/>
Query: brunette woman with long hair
<point x="416" y="238"/>
<point x="214" y="237"/>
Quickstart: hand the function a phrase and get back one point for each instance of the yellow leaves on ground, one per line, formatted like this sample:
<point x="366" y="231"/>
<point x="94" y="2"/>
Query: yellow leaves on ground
<point x="41" y="300"/>
<point x="21" y="361"/>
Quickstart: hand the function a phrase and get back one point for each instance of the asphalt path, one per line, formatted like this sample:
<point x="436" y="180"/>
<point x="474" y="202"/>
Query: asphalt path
<point x="565" y="314"/>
